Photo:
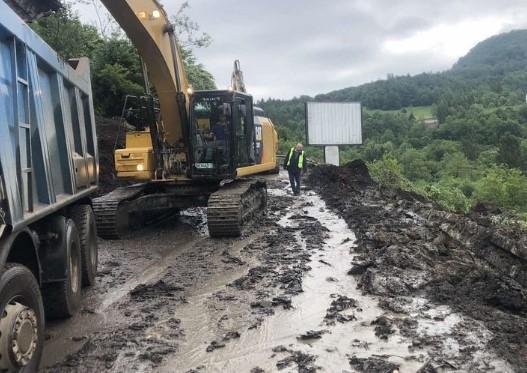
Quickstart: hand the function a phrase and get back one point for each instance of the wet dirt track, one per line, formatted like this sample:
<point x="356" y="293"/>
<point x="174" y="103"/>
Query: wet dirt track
<point x="279" y="298"/>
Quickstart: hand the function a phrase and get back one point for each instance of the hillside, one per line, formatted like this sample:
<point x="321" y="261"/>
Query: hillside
<point x="506" y="52"/>
<point x="497" y="64"/>
<point x="479" y="151"/>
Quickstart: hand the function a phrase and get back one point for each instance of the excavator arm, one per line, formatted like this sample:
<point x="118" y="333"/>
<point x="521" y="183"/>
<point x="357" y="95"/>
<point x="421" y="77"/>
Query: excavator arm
<point x="237" y="81"/>
<point x="148" y="27"/>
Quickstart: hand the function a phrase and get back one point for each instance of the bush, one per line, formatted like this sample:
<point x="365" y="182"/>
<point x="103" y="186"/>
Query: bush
<point x="450" y="198"/>
<point x="388" y="172"/>
<point x="503" y="187"/>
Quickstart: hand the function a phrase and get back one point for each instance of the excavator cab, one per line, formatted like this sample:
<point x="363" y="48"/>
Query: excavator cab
<point x="222" y="134"/>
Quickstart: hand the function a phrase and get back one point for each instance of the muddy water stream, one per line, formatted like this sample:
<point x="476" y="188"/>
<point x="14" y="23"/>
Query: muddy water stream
<point x="327" y="279"/>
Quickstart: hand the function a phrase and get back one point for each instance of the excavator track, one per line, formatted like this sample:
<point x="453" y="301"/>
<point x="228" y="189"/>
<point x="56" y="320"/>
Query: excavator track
<point x="233" y="205"/>
<point x="110" y="212"/>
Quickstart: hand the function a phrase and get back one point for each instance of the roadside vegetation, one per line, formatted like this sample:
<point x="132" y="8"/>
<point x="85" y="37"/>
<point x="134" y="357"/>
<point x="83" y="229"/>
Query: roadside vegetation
<point x="478" y="153"/>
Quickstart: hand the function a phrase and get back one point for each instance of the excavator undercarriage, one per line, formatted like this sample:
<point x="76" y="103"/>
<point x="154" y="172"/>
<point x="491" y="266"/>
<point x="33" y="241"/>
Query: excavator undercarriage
<point x="229" y="207"/>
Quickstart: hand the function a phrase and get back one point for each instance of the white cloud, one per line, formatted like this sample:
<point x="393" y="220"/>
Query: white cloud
<point x="295" y="47"/>
<point x="449" y="40"/>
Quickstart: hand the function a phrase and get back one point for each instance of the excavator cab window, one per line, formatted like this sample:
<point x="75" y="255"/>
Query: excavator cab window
<point x="222" y="133"/>
<point x="210" y="133"/>
<point x="244" y="135"/>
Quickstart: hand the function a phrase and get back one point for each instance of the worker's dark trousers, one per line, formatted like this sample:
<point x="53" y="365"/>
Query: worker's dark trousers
<point x="294" y="178"/>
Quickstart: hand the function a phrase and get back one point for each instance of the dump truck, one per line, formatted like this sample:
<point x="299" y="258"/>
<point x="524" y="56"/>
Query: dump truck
<point x="48" y="174"/>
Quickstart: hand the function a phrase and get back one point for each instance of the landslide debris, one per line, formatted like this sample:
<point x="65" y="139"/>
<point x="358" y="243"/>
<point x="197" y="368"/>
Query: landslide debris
<point x="373" y="365"/>
<point x="305" y="362"/>
<point x="408" y="247"/>
<point x="109" y="137"/>
<point x="335" y="312"/>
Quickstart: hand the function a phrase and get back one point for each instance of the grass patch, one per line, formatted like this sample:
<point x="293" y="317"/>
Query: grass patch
<point x="419" y="112"/>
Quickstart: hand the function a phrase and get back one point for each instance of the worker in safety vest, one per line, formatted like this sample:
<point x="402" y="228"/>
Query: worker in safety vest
<point x="295" y="163"/>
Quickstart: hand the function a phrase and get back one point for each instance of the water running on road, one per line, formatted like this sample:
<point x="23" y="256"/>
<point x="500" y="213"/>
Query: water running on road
<point x="327" y="279"/>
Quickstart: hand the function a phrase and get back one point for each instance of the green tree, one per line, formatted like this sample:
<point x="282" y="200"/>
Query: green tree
<point x="67" y="35"/>
<point x="116" y="66"/>
<point x="509" y="152"/>
<point x="116" y="73"/>
<point x="198" y="76"/>
<point x="415" y="166"/>
<point x="441" y="111"/>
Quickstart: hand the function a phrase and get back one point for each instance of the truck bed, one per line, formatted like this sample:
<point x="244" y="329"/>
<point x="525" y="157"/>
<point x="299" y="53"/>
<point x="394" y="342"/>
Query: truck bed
<point x="48" y="147"/>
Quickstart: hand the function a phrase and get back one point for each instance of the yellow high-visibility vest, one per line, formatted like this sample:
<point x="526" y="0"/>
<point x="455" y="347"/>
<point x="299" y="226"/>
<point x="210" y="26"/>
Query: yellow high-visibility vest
<point x="300" y="158"/>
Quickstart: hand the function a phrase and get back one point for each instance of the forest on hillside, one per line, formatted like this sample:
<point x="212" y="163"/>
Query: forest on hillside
<point x="479" y="151"/>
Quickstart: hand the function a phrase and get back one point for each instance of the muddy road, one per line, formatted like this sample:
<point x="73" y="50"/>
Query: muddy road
<point x="303" y="290"/>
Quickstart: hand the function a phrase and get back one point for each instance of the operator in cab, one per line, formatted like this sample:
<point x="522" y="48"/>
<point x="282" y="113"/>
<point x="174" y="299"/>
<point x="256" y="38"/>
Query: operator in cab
<point x="295" y="163"/>
<point x="218" y="135"/>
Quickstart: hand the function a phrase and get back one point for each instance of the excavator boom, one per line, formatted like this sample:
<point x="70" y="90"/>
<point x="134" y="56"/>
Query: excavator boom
<point x="148" y="27"/>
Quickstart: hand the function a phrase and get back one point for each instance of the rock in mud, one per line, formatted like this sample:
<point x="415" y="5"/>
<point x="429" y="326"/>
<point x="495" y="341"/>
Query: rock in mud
<point x="282" y="300"/>
<point x="146" y="292"/>
<point x="304" y="362"/>
<point x="231" y="335"/>
<point x="373" y="365"/>
<point x="359" y="267"/>
<point x="383" y="327"/>
<point x="312" y="334"/>
<point x="230" y="259"/>
<point x="156" y="355"/>
<point x="280" y="349"/>
<point x="340" y="304"/>
<point x="214" y="345"/>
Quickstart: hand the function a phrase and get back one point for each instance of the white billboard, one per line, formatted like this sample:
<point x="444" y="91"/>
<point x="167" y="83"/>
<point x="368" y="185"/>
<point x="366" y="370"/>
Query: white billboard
<point x="330" y="123"/>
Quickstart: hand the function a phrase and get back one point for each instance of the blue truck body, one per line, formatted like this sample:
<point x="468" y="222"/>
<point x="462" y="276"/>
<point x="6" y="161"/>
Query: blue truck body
<point x="48" y="175"/>
<point x="48" y="147"/>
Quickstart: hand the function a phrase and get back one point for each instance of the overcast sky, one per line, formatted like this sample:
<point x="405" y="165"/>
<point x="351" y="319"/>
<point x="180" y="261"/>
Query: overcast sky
<point x="293" y="47"/>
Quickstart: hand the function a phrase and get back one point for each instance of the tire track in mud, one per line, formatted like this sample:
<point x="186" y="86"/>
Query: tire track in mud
<point x="109" y="332"/>
<point x="130" y="320"/>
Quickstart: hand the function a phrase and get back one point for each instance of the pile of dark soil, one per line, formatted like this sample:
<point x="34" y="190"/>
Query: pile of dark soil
<point x="406" y="246"/>
<point x="372" y="365"/>
<point x="108" y="132"/>
<point x="354" y="174"/>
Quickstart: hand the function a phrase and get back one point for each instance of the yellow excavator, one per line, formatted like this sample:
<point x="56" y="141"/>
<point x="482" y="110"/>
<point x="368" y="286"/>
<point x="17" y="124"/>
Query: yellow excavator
<point x="199" y="148"/>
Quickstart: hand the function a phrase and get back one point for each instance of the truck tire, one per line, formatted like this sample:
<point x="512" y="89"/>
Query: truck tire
<point x="22" y="321"/>
<point x="84" y="219"/>
<point x="62" y="299"/>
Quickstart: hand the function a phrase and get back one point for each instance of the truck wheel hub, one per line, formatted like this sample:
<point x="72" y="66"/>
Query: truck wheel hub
<point x="19" y="336"/>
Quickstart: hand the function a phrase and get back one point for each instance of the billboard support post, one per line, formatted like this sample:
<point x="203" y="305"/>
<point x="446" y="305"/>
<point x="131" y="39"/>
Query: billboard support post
<point x="332" y="155"/>
<point x="331" y="124"/>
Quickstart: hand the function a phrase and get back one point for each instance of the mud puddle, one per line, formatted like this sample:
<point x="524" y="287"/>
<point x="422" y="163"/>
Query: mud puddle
<point x="139" y="258"/>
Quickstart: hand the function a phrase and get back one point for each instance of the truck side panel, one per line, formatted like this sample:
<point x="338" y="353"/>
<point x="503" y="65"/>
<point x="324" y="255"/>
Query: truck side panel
<point x="48" y="149"/>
